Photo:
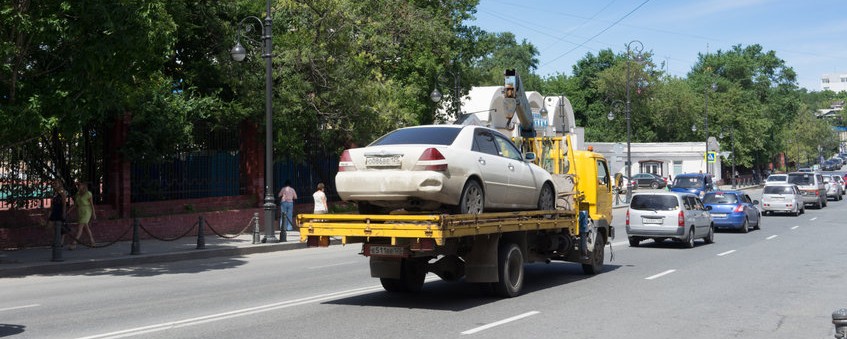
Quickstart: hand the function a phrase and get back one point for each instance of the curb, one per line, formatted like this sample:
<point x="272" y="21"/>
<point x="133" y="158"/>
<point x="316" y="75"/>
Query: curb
<point x="89" y="264"/>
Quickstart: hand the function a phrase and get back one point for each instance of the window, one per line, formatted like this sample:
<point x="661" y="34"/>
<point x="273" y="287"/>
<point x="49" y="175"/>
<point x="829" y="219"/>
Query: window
<point x="483" y="142"/>
<point x="654" y="202"/>
<point x="602" y="173"/>
<point x="844" y="79"/>
<point x="507" y="148"/>
<point x="825" y="81"/>
<point x="420" y="136"/>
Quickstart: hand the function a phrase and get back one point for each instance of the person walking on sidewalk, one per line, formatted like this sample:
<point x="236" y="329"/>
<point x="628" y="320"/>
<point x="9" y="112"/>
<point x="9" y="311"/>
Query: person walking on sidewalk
<point x="287" y="195"/>
<point x="58" y="209"/>
<point x="84" y="204"/>
<point x="320" y="200"/>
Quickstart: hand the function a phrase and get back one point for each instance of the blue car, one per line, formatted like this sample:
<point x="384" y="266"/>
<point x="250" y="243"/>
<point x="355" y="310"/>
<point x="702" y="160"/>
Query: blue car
<point x="694" y="183"/>
<point x="733" y="210"/>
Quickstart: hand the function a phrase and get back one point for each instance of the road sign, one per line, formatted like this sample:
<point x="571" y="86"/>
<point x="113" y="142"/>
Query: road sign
<point x="710" y="157"/>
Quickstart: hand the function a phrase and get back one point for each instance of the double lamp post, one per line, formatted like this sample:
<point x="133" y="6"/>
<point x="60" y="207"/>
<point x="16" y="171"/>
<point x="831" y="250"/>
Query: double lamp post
<point x="238" y="54"/>
<point x="633" y="46"/>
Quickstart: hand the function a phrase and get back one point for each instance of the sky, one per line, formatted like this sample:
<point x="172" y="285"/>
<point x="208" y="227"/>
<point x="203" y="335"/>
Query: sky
<point x="809" y="35"/>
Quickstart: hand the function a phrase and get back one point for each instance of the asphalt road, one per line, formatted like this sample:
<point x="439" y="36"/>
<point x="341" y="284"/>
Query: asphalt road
<point x="783" y="281"/>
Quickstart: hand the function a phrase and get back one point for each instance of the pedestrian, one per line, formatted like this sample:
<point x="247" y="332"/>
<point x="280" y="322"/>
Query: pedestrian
<point x="320" y="200"/>
<point x="287" y="195"/>
<point x="58" y="209"/>
<point x="84" y="205"/>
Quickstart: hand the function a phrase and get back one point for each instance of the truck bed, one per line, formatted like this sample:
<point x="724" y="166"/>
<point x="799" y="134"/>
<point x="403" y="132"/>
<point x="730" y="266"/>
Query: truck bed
<point x="316" y="229"/>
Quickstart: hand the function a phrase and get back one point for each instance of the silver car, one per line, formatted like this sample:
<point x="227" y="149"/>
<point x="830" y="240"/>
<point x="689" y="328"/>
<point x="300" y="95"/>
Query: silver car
<point x="465" y="169"/>
<point x="782" y="198"/>
<point x="834" y="189"/>
<point x="668" y="215"/>
<point x="811" y="186"/>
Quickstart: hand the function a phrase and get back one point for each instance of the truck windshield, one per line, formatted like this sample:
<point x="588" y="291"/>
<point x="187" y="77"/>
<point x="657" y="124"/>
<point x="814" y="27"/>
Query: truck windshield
<point x="419" y="136"/>
<point x="654" y="202"/>
<point x="687" y="182"/>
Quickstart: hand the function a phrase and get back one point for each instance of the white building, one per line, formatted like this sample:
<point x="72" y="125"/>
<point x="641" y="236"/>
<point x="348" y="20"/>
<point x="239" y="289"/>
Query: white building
<point x="664" y="159"/>
<point x="834" y="82"/>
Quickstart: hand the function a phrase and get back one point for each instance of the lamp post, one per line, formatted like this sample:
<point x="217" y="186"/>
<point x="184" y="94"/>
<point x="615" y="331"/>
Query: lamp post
<point x="238" y="54"/>
<point x="544" y="111"/>
<point x="637" y="47"/>
<point x="616" y="107"/>
<point x="436" y="95"/>
<point x="732" y="152"/>
<point x="714" y="87"/>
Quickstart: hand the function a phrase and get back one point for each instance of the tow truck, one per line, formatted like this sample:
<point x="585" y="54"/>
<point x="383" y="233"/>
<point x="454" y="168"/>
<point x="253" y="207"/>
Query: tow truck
<point x="490" y="248"/>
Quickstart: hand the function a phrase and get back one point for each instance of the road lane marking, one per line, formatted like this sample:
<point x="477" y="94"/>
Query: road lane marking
<point x="725" y="253"/>
<point x="332" y="265"/>
<point x="795" y="227"/>
<point x="660" y="275"/>
<point x="501" y="322"/>
<point x="771" y="237"/>
<point x="240" y="312"/>
<point x="813" y="219"/>
<point x="18" y="307"/>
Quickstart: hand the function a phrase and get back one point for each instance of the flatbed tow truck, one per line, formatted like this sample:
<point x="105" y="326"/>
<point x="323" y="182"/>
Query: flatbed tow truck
<point x="490" y="248"/>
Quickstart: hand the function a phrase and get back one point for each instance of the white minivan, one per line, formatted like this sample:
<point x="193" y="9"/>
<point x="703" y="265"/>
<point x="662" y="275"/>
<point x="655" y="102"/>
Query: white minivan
<point x="668" y="215"/>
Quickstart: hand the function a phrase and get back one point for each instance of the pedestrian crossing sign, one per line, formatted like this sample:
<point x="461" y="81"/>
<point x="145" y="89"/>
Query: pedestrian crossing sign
<point x="710" y="157"/>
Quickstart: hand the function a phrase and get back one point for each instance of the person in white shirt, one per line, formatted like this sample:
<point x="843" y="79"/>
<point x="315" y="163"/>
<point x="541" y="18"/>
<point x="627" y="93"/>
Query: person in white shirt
<point x="320" y="200"/>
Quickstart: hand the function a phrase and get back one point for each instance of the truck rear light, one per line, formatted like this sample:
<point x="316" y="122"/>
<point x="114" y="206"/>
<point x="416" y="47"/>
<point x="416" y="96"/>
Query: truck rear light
<point x="431" y="160"/>
<point x="681" y="222"/>
<point x="345" y="163"/>
<point x="627" y="217"/>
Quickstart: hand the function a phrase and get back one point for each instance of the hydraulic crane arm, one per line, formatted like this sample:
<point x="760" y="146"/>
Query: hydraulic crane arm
<point x="515" y="102"/>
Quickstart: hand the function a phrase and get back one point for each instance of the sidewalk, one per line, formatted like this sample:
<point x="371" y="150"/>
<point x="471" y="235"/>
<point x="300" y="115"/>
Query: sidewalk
<point x="33" y="261"/>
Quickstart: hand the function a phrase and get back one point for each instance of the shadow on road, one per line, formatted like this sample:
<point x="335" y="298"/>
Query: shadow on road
<point x="459" y="296"/>
<point x="10" y="330"/>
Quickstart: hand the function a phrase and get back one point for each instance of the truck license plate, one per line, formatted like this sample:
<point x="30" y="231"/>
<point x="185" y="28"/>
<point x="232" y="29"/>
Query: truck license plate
<point x="386" y="251"/>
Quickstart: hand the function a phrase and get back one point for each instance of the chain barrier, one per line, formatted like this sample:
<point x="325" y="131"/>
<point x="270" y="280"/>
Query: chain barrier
<point x="77" y="241"/>
<point x="250" y="223"/>
<point x="171" y="239"/>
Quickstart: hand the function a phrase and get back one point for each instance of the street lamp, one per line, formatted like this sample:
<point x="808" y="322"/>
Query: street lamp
<point x="637" y="47"/>
<point x="238" y="54"/>
<point x="616" y="107"/>
<point x="732" y="142"/>
<point x="544" y="110"/>
<point x="436" y="95"/>
<point x="714" y="87"/>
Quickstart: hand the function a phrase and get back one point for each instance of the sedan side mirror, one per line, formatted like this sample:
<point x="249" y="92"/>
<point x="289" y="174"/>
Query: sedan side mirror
<point x="708" y="208"/>
<point x="529" y="156"/>
<point x="755" y="202"/>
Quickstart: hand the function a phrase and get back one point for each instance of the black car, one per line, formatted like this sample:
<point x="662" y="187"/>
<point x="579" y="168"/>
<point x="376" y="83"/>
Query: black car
<point x="648" y="180"/>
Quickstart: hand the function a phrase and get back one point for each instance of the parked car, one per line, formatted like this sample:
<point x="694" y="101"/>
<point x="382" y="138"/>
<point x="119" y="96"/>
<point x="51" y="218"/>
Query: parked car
<point x="777" y="178"/>
<point x="782" y="198"/>
<point x="830" y="165"/>
<point x="694" y="183"/>
<point x="668" y="215"/>
<point x="648" y="180"/>
<point x="733" y="210"/>
<point x="834" y="189"/>
<point x="811" y="186"/>
<point x="466" y="169"/>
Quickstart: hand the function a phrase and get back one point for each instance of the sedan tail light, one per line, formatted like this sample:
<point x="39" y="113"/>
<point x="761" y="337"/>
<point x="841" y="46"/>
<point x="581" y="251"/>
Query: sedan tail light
<point x="345" y="164"/>
<point x="431" y="160"/>
<point x="738" y="208"/>
<point x="627" y="217"/>
<point x="681" y="222"/>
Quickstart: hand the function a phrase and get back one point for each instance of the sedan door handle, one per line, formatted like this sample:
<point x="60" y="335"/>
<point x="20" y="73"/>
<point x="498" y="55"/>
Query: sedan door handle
<point x="511" y="167"/>
<point x="481" y="161"/>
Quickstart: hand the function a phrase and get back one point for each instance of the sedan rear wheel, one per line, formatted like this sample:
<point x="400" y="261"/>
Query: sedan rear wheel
<point x="472" y="199"/>
<point x="745" y="227"/>
<point x="654" y="185"/>
<point x="710" y="238"/>
<point x="758" y="223"/>
<point x="689" y="243"/>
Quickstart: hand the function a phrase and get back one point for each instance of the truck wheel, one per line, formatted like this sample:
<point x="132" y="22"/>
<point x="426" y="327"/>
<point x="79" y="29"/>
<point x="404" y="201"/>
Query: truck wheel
<point x="547" y="198"/>
<point x="510" y="270"/>
<point x="411" y="279"/>
<point x="472" y="199"/>
<point x="597" y="257"/>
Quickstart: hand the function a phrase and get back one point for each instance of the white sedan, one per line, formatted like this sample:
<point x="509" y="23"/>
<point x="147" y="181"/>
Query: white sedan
<point x="465" y="169"/>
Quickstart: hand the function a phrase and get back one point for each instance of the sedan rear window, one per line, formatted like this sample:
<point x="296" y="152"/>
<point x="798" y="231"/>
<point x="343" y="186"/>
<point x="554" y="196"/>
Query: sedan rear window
<point x="419" y="136"/>
<point x="801" y="179"/>
<point x="654" y="203"/>
<point x="720" y="198"/>
<point x="778" y="190"/>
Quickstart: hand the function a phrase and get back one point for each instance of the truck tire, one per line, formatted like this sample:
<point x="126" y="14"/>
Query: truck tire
<point x="509" y="270"/>
<point x="472" y="200"/>
<point x="597" y="257"/>
<point x="411" y="279"/>
<point x="547" y="198"/>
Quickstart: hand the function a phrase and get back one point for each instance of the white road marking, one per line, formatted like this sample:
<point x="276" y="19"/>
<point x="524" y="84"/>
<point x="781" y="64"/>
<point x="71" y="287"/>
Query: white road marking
<point x="660" y="274"/>
<point x="501" y="322"/>
<point x="325" y="266"/>
<point x="813" y="219"/>
<point x="240" y="313"/>
<point x="18" y="307"/>
<point x="725" y="253"/>
<point x="795" y="227"/>
<point x="771" y="237"/>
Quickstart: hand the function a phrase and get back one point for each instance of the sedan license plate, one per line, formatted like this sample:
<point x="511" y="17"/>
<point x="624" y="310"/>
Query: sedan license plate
<point x="392" y="161"/>
<point x="385" y="251"/>
<point x="651" y="221"/>
<point x="719" y="215"/>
